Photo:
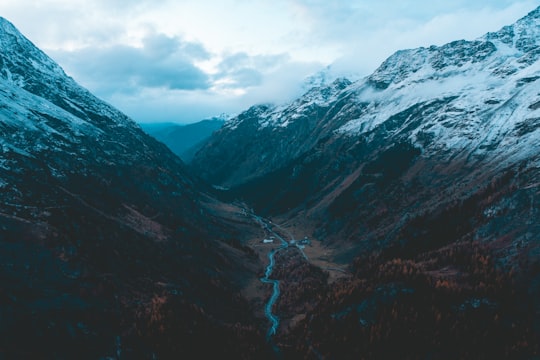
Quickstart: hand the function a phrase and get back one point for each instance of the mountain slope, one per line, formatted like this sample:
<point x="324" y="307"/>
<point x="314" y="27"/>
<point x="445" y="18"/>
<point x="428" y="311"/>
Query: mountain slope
<point x="265" y="137"/>
<point x="423" y="179"/>
<point x="472" y="103"/>
<point x="483" y="83"/>
<point x="108" y="246"/>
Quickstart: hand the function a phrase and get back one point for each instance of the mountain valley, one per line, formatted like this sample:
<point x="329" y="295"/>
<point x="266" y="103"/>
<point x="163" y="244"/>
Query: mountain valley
<point x="423" y="176"/>
<point x="395" y="216"/>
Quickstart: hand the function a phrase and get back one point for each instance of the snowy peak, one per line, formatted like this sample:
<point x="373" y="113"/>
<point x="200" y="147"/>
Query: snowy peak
<point x="221" y="117"/>
<point x="406" y="64"/>
<point x="520" y="41"/>
<point x="7" y="27"/>
<point x="25" y="66"/>
<point x="326" y="77"/>
<point x="21" y="61"/>
<point x="56" y="136"/>
<point x="330" y="89"/>
<point x="46" y="116"/>
<point x="477" y="97"/>
<point x="524" y="35"/>
<point x="282" y="115"/>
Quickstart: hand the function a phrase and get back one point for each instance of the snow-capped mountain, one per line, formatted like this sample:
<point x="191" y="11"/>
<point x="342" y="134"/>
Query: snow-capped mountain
<point x="267" y="136"/>
<point x="486" y="94"/>
<point x="282" y="115"/>
<point x="327" y="76"/>
<point x="27" y="67"/>
<point x="99" y="224"/>
<point x="434" y="123"/>
<point x="480" y="97"/>
<point x="69" y="136"/>
<point x="49" y="110"/>
<point x="419" y="177"/>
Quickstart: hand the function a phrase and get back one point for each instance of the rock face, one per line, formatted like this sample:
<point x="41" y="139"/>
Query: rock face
<point x="108" y="246"/>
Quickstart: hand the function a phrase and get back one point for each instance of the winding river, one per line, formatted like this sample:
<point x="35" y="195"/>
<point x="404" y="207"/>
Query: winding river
<point x="274" y="320"/>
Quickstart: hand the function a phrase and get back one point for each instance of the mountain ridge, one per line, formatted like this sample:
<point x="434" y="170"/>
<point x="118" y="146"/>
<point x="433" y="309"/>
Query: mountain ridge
<point x="103" y="231"/>
<point x="413" y="76"/>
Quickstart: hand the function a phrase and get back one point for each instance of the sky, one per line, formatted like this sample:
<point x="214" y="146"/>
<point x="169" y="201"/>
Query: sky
<point x="187" y="60"/>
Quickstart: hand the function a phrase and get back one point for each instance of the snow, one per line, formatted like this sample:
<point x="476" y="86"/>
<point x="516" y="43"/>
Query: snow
<point x="281" y="116"/>
<point x="26" y="128"/>
<point x="327" y="76"/>
<point x="484" y="100"/>
<point x="27" y="67"/>
<point x="471" y="97"/>
<point x="42" y="110"/>
<point x="18" y="108"/>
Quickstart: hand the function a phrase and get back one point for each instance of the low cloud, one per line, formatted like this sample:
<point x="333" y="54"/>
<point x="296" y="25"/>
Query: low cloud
<point x="161" y="62"/>
<point x="160" y="80"/>
<point x="242" y="71"/>
<point x="275" y="85"/>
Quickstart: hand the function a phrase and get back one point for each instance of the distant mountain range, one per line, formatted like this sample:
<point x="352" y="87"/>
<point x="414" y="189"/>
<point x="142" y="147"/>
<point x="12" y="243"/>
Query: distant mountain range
<point x="394" y="216"/>
<point x="184" y="140"/>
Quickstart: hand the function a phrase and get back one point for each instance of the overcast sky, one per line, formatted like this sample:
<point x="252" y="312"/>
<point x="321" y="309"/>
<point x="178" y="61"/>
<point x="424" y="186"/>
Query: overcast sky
<point x="185" y="60"/>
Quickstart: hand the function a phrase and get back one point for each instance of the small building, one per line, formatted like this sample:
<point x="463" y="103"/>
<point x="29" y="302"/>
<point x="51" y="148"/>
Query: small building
<point x="268" y="241"/>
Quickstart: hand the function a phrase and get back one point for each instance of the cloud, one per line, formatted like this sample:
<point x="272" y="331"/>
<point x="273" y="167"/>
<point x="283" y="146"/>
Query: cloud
<point x="241" y="70"/>
<point x="161" y="62"/>
<point x="160" y="79"/>
<point x="367" y="32"/>
<point x="183" y="60"/>
<point x="277" y="84"/>
<point x="282" y="84"/>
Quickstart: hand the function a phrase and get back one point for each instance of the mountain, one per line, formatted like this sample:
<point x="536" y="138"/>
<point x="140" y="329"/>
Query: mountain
<point x="482" y="75"/>
<point x="265" y="137"/>
<point x="326" y="76"/>
<point x="469" y="102"/>
<point x="405" y="205"/>
<point x="422" y="179"/>
<point x="184" y="140"/>
<point x="109" y="248"/>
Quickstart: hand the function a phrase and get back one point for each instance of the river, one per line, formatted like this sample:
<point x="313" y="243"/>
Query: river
<point x="274" y="320"/>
